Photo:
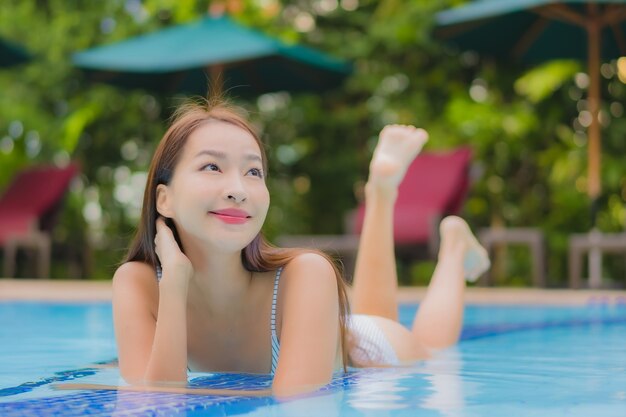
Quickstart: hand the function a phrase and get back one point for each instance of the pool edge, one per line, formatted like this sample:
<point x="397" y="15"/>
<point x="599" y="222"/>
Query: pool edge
<point x="81" y="291"/>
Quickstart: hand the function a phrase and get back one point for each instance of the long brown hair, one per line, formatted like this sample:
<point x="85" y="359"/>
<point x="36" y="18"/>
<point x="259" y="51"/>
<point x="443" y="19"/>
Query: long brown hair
<point x="259" y="255"/>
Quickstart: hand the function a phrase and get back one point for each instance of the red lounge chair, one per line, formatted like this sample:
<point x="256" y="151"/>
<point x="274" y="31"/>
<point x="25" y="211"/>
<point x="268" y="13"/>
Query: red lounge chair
<point x="28" y="210"/>
<point x="435" y="185"/>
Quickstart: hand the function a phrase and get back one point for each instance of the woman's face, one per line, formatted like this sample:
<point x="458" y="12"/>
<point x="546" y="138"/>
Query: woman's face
<point x="217" y="193"/>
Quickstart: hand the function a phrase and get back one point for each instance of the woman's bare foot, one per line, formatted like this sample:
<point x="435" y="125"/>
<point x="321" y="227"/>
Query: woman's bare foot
<point x="476" y="260"/>
<point x="397" y="146"/>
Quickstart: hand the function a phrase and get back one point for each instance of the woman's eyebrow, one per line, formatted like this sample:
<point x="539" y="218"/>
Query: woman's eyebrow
<point x="222" y="155"/>
<point x="216" y="154"/>
<point x="253" y="157"/>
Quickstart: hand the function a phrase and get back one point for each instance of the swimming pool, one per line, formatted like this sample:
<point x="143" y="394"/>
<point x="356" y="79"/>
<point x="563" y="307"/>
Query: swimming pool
<point x="512" y="361"/>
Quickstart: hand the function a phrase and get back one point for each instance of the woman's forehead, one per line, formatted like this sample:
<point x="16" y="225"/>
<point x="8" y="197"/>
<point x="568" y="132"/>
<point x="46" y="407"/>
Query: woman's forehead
<point x="221" y="136"/>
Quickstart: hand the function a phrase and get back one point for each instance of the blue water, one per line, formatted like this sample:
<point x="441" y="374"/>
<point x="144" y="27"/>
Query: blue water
<point x="511" y="361"/>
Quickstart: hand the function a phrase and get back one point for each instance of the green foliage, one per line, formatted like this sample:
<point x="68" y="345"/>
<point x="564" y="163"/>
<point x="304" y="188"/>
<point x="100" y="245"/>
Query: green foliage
<point x="420" y="272"/>
<point x="544" y="80"/>
<point x="523" y="124"/>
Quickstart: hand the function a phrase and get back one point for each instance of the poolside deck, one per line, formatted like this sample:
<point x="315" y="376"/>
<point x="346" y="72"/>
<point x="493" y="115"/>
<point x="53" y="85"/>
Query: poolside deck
<point x="80" y="291"/>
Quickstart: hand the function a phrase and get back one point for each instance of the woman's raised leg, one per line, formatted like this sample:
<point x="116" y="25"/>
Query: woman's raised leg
<point x="375" y="282"/>
<point x="439" y="318"/>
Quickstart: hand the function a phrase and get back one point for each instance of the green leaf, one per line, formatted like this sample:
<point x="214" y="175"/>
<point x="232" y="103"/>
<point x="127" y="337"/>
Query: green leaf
<point x="76" y="123"/>
<point x="542" y="81"/>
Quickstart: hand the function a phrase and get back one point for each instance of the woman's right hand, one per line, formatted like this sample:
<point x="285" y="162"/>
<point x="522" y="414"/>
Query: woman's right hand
<point x="176" y="267"/>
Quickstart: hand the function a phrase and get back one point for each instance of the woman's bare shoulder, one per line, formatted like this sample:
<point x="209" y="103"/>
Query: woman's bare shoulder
<point x="135" y="274"/>
<point x="135" y="289"/>
<point x="309" y="262"/>
<point x="310" y="271"/>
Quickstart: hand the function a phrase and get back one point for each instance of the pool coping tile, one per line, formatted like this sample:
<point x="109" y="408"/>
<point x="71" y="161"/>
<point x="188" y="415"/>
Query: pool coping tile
<point x="84" y="291"/>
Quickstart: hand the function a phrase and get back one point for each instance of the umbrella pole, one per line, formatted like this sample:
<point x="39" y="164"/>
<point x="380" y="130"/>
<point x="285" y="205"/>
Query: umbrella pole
<point x="594" y="148"/>
<point x="594" y="107"/>
<point x="216" y="80"/>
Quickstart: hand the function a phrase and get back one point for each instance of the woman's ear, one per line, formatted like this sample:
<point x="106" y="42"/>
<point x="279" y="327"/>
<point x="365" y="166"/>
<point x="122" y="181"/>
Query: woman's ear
<point x="163" y="201"/>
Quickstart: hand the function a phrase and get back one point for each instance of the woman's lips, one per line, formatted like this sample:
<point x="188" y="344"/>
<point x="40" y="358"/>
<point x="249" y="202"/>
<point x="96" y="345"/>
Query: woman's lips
<point x="231" y="216"/>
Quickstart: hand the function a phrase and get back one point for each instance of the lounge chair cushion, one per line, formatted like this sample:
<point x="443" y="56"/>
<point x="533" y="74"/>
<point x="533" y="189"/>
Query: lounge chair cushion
<point x="435" y="185"/>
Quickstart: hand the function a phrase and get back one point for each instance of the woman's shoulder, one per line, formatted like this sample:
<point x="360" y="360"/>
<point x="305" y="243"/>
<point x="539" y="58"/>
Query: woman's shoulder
<point x="135" y="290"/>
<point x="307" y="260"/>
<point x="309" y="268"/>
<point x="133" y="274"/>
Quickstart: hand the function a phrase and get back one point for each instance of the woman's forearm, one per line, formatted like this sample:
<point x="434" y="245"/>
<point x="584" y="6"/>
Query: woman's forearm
<point x="168" y="358"/>
<point x="174" y="390"/>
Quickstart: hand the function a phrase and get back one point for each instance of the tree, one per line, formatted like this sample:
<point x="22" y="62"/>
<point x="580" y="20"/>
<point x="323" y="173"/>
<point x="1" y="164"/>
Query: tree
<point x="525" y="126"/>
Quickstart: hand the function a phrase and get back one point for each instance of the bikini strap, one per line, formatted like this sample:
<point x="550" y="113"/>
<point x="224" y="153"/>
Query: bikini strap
<point x="274" y="336"/>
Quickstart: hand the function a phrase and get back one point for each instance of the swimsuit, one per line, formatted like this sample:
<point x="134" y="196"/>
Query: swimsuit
<point x="274" y="336"/>
<point x="371" y="347"/>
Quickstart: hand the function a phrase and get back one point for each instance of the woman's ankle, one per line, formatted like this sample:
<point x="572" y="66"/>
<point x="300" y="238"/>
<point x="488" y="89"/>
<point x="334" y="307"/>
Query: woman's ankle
<point x="377" y="193"/>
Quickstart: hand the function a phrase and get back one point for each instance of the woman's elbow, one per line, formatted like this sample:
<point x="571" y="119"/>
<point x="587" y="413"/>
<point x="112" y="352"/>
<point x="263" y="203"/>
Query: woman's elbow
<point x="150" y="377"/>
<point x="132" y="376"/>
<point x="285" y="391"/>
<point x="171" y="378"/>
<point x="290" y="385"/>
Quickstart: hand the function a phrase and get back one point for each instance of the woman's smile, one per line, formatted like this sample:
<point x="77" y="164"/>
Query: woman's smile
<point x="231" y="216"/>
<point x="219" y="175"/>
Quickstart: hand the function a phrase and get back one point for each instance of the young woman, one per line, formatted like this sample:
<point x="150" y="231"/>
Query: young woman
<point x="201" y="289"/>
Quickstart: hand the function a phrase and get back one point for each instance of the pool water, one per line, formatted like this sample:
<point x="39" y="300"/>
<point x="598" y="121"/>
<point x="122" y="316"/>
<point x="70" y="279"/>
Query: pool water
<point x="511" y="361"/>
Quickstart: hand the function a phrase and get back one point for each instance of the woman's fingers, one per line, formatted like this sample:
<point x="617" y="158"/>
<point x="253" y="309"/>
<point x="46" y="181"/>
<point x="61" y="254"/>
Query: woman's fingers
<point x="167" y="249"/>
<point x="163" y="236"/>
<point x="161" y="226"/>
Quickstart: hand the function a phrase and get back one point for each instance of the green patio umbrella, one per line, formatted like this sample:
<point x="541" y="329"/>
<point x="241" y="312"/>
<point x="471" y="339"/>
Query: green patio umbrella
<point x="539" y="30"/>
<point x="183" y="58"/>
<point x="12" y="54"/>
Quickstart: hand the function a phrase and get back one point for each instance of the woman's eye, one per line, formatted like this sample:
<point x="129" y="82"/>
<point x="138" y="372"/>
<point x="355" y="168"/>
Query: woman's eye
<point x="210" y="167"/>
<point x="256" y="172"/>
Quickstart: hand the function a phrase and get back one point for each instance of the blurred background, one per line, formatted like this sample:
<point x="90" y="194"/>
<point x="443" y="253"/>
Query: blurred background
<point x="526" y="125"/>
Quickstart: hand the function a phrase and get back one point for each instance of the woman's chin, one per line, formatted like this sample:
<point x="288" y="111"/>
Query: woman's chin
<point x="222" y="240"/>
<point x="229" y="244"/>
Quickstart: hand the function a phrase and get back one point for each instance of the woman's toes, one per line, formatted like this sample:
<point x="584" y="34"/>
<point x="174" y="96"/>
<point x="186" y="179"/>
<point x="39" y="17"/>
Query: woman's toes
<point x="397" y="148"/>
<point x="476" y="260"/>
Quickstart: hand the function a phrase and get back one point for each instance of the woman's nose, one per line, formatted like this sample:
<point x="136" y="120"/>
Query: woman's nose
<point x="236" y="197"/>
<point x="235" y="191"/>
